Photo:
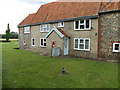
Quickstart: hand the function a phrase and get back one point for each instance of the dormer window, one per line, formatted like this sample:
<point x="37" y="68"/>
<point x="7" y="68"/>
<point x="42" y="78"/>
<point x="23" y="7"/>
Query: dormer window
<point x="82" y="25"/>
<point x="61" y="24"/>
<point x="27" y="29"/>
<point x="45" y="28"/>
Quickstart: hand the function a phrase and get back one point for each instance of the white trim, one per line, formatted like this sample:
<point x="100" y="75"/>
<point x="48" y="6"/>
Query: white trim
<point x="67" y="44"/>
<point x="32" y="41"/>
<point x="43" y="42"/>
<point x="45" y="27"/>
<point x="83" y="24"/>
<point x="27" y="29"/>
<point x="24" y="42"/>
<point x="114" y="47"/>
<point x="83" y="43"/>
<point x="56" y="30"/>
<point x="60" y="24"/>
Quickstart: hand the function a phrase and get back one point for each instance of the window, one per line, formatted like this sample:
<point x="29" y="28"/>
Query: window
<point x="45" y="28"/>
<point x="33" y="42"/>
<point x="61" y="24"/>
<point x="27" y="29"/>
<point x="82" y="25"/>
<point x="116" y="47"/>
<point x="82" y="44"/>
<point x="24" y="43"/>
<point x="43" y="42"/>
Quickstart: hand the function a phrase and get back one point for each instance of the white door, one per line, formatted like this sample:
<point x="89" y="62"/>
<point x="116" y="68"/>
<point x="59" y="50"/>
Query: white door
<point x="65" y="45"/>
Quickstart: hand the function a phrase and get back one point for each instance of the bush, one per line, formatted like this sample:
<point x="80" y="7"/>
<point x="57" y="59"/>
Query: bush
<point x="4" y="41"/>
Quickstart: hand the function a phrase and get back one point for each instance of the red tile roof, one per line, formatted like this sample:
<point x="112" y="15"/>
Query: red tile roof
<point x="65" y="10"/>
<point x="65" y="34"/>
<point x="108" y="6"/>
<point x="28" y="19"/>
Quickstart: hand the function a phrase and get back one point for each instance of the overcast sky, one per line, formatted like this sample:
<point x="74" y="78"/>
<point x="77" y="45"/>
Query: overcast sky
<point x="14" y="11"/>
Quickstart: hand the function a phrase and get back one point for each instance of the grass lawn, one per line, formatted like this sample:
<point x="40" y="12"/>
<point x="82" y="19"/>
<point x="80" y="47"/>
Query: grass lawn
<point x="25" y="69"/>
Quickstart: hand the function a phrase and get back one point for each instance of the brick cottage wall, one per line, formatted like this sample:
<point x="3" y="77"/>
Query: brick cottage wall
<point x="108" y="33"/>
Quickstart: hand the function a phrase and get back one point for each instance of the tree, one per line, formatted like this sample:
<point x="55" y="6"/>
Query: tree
<point x="7" y="33"/>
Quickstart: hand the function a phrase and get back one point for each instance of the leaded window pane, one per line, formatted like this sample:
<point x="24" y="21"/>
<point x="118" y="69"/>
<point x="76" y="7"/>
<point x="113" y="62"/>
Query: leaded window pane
<point x="87" y="24"/>
<point x="81" y="41"/>
<point x="76" y="43"/>
<point x="81" y="46"/>
<point x="76" y="24"/>
<point x="82" y="22"/>
<point x="86" y="44"/>
<point x="81" y="26"/>
<point x="116" y="46"/>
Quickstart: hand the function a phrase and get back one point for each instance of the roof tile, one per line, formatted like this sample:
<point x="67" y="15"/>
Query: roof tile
<point x="65" y="34"/>
<point x="65" y="10"/>
<point x="28" y="19"/>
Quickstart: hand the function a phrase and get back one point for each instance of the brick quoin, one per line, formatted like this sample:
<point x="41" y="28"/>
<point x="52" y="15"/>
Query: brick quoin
<point x="99" y="36"/>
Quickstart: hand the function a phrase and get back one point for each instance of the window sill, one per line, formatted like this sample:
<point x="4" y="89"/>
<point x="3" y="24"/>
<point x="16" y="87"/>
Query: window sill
<point x="44" y="32"/>
<point x="43" y="46"/>
<point x="82" y="29"/>
<point x="61" y="26"/>
<point x="26" y="32"/>
<point x="81" y="49"/>
<point x="116" y="51"/>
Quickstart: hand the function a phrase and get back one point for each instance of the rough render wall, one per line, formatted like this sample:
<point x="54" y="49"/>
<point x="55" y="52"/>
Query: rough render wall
<point x="24" y="37"/>
<point x="69" y="29"/>
<point x="58" y="42"/>
<point x="92" y="34"/>
<point x="35" y="33"/>
<point x="110" y="27"/>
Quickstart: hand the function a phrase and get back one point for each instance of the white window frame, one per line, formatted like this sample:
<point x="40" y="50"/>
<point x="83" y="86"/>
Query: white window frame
<point x="27" y="29"/>
<point x="83" y="43"/>
<point x="32" y="41"/>
<point x="60" y="24"/>
<point x="43" y="42"/>
<point x="43" y="27"/>
<point x="24" y="43"/>
<point x="82" y="24"/>
<point x="114" y="47"/>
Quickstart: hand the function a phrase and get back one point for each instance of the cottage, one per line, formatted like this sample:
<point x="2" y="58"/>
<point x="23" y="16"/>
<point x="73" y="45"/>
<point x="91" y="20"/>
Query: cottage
<point x="83" y="29"/>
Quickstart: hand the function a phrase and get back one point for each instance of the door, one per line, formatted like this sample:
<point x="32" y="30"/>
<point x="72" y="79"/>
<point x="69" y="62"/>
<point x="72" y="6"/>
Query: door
<point x="65" y="46"/>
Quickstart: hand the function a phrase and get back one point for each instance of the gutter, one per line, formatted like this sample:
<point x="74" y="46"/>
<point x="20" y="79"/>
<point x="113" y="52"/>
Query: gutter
<point x="63" y="20"/>
<point x="104" y="12"/>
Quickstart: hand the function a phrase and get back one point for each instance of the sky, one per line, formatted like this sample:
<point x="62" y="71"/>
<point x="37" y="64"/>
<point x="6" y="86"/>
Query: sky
<point x="14" y="11"/>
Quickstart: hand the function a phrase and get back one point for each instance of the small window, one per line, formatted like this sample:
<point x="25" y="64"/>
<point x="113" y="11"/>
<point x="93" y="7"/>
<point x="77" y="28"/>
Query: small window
<point x="87" y="24"/>
<point x="61" y="24"/>
<point x="24" y="43"/>
<point x="82" y="44"/>
<point x="45" y="28"/>
<point x="33" y="42"/>
<point x="116" y="47"/>
<point x="77" y="24"/>
<point x="76" y="43"/>
<point x="82" y="25"/>
<point x="43" y="42"/>
<point x="27" y="29"/>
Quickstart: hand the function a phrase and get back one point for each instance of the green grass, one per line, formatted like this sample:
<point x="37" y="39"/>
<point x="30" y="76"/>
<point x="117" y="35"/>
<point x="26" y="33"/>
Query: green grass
<point x="25" y="69"/>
